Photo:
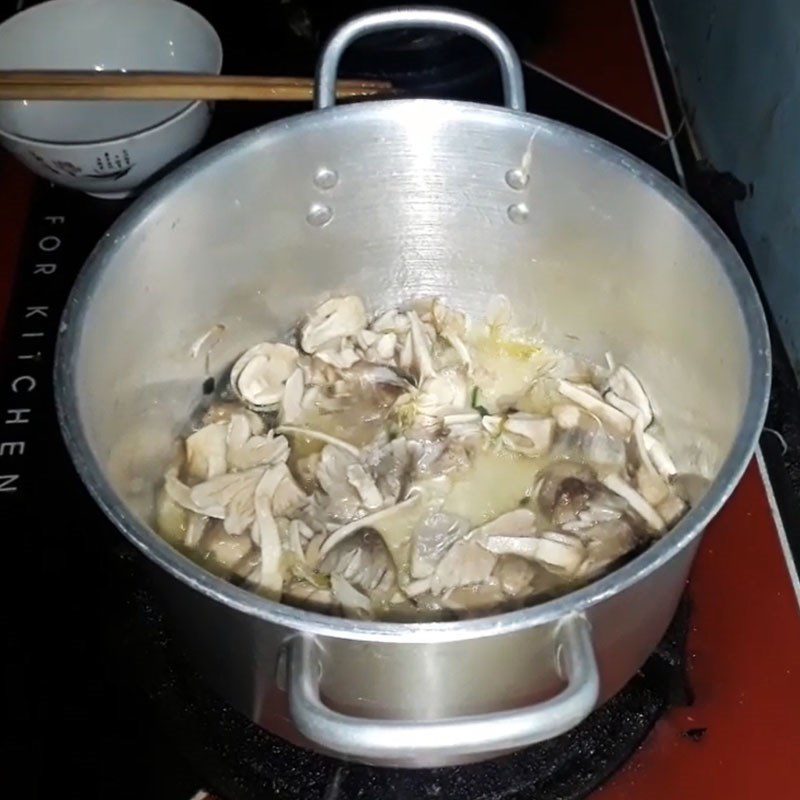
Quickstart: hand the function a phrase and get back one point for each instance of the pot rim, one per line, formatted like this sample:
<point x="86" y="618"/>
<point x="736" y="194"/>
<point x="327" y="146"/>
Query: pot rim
<point x="195" y="577"/>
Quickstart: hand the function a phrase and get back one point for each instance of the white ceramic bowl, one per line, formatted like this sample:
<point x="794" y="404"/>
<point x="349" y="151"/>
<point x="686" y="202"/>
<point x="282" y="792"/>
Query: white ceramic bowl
<point x="115" y="167"/>
<point x="153" y="35"/>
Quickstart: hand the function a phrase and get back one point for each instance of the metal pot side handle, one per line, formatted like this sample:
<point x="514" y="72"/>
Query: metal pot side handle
<point x="482" y="733"/>
<point x="373" y="22"/>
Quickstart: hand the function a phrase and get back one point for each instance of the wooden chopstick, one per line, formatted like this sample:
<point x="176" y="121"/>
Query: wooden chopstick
<point x="59" y="85"/>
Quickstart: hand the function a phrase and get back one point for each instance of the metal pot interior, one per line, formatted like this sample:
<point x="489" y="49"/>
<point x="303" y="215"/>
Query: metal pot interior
<point x="596" y="250"/>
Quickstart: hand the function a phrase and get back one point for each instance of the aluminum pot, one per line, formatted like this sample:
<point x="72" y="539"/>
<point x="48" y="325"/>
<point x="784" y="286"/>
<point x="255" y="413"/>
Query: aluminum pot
<point x="394" y="200"/>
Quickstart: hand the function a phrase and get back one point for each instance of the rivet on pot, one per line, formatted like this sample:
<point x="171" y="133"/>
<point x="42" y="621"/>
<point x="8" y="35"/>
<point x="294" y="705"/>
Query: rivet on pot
<point x="325" y="178"/>
<point x="518" y="213"/>
<point x="517" y="178"/>
<point x="319" y="214"/>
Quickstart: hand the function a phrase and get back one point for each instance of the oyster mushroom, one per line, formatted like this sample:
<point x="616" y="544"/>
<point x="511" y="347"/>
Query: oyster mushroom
<point x="259" y="375"/>
<point x="336" y="318"/>
<point x="442" y="393"/>
<point x="464" y="564"/>
<point x="365" y="562"/>
<point x="265" y="532"/>
<point x="434" y="534"/>
<point x="672" y="509"/>
<point x="607" y="542"/>
<point x="515" y="574"/>
<point x="343" y="502"/>
<point x="288" y="498"/>
<point x="476" y="597"/>
<point x="390" y="463"/>
<point x="353" y="602"/>
<point x="365" y="486"/>
<point x="340" y="534"/>
<point x="564" y="490"/>
<point x="245" y="451"/>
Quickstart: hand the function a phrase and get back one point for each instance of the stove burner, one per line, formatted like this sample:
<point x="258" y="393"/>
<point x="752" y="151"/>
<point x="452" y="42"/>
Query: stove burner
<point x="240" y="761"/>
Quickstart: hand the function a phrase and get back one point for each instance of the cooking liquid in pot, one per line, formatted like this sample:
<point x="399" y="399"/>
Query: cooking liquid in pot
<point x="417" y="465"/>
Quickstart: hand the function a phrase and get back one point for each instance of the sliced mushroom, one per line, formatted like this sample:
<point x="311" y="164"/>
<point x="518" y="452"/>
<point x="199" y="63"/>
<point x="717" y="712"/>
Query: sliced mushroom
<point x="342" y="356"/>
<point x="528" y="434"/>
<point x="365" y="486"/>
<point x="422" y="362"/>
<point x="561" y="553"/>
<point x="626" y="386"/>
<point x="660" y="457"/>
<point x="651" y="485"/>
<point x="195" y="530"/>
<point x="377" y="348"/>
<point x="172" y="518"/>
<point x="334" y="319"/>
<point x="227" y="550"/>
<point x="206" y="452"/>
<point x="223" y="412"/>
<point x="292" y="400"/>
<point x="618" y="485"/>
<point x="607" y="414"/>
<point x="259" y="375"/>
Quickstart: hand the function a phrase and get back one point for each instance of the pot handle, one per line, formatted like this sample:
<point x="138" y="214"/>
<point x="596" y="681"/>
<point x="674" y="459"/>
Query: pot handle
<point x="476" y="734"/>
<point x="373" y="22"/>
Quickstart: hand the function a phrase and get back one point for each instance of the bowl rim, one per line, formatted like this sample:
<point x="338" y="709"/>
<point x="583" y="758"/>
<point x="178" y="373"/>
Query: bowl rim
<point x="191" y="575"/>
<point x="26" y="140"/>
<point x="219" y="55"/>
